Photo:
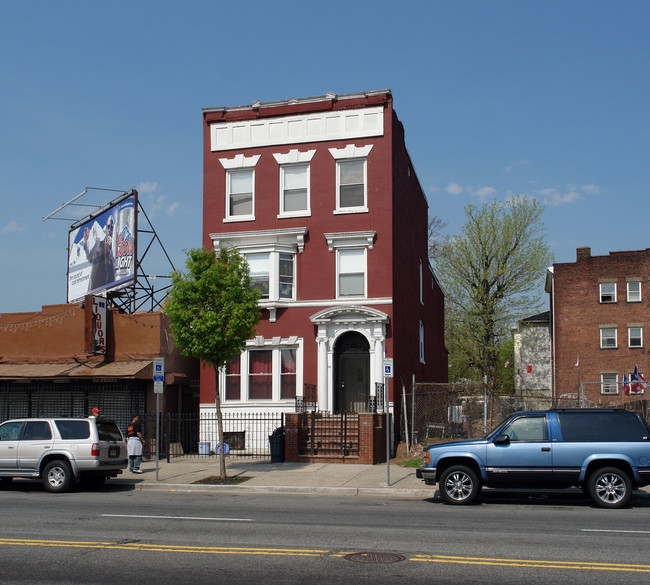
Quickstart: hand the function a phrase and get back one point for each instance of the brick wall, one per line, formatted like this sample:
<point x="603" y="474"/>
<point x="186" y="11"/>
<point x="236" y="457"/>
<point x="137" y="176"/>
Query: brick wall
<point x="579" y="315"/>
<point x="372" y="442"/>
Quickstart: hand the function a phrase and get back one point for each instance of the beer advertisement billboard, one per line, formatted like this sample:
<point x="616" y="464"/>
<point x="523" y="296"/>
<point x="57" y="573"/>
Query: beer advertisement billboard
<point x="101" y="251"/>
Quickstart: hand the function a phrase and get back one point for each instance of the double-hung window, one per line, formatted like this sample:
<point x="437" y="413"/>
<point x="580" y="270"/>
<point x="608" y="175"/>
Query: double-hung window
<point x="287" y="373"/>
<point x="634" y="291"/>
<point x="273" y="273"/>
<point x="240" y="193"/>
<point x="233" y="379"/>
<point x="260" y="374"/>
<point x="635" y="336"/>
<point x="351" y="280"/>
<point x="421" y="344"/>
<point x="351" y="185"/>
<point x="351" y="178"/>
<point x="607" y="292"/>
<point x="240" y="187"/>
<point x="608" y="338"/>
<point x="259" y="267"/>
<point x="609" y="383"/>
<point x="294" y="189"/>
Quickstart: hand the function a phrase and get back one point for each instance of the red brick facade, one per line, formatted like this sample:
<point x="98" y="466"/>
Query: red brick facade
<point x="601" y="315"/>
<point x="398" y="313"/>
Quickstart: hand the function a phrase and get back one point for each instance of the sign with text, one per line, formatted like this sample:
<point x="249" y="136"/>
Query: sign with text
<point x="95" y="325"/>
<point x="388" y="367"/>
<point x="102" y="251"/>
<point x="158" y="369"/>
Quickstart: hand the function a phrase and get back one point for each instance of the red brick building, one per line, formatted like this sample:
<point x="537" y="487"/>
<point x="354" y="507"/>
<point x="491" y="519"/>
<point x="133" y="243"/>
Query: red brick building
<point x="321" y="197"/>
<point x="600" y="315"/>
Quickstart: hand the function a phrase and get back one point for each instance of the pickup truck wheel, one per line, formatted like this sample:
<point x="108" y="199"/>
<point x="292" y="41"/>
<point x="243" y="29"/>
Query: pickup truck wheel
<point x="609" y="487"/>
<point x="57" y="476"/>
<point x="459" y="485"/>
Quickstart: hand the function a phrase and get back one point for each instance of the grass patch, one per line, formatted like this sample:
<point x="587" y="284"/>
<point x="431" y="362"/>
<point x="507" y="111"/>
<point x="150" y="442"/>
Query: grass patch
<point x="216" y="480"/>
<point x="415" y="462"/>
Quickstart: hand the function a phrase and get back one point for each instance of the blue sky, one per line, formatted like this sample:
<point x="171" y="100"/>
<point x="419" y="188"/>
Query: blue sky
<point x="547" y="98"/>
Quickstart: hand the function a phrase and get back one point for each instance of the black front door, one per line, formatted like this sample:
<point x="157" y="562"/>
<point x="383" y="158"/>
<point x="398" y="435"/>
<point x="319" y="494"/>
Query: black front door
<point x="352" y="373"/>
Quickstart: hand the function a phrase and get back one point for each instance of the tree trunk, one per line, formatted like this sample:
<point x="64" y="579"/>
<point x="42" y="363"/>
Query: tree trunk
<point x="217" y="404"/>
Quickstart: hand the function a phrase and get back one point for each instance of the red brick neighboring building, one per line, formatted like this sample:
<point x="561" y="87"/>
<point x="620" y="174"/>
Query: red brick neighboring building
<point x="321" y="197"/>
<point x="600" y="316"/>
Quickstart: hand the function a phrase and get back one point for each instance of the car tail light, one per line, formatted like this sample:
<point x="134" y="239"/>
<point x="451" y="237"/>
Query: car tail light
<point x="94" y="450"/>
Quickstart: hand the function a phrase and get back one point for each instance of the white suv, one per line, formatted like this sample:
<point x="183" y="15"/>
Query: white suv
<point x="61" y="451"/>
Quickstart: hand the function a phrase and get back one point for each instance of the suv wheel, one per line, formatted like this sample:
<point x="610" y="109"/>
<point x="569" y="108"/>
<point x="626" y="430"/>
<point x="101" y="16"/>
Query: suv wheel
<point x="57" y="476"/>
<point x="609" y="487"/>
<point x="459" y="485"/>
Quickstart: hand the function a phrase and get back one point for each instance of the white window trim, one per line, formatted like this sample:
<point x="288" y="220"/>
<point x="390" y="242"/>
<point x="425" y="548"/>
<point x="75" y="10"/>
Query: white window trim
<point x="275" y="344"/>
<point x="421" y="342"/>
<point x="239" y="163"/>
<point x="294" y="157"/>
<point x="613" y="385"/>
<point x="365" y="274"/>
<point x="274" y="271"/>
<point x="629" y="336"/>
<point x="638" y="282"/>
<point x="421" y="283"/>
<point x="600" y="290"/>
<point x="347" y="240"/>
<point x="349" y="153"/>
<point x="615" y="346"/>
<point x="302" y="212"/>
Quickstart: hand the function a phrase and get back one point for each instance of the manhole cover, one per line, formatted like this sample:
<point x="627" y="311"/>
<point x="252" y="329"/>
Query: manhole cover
<point x="374" y="557"/>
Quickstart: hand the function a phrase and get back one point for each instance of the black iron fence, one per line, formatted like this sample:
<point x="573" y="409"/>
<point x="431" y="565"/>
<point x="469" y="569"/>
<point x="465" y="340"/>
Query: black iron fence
<point x="182" y="435"/>
<point x="328" y="434"/>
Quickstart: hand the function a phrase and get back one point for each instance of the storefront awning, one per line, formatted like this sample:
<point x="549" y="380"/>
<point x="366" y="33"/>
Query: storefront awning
<point x="136" y="369"/>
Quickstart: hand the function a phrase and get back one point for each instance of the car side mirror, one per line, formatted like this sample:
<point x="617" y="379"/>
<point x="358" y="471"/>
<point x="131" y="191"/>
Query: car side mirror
<point x="501" y="440"/>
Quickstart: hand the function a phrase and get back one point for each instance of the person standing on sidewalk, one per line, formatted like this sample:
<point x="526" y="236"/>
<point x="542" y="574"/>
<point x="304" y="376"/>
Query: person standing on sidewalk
<point x="135" y="440"/>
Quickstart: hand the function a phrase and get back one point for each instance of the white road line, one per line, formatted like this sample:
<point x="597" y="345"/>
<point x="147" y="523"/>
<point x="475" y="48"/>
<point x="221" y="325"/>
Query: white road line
<point x="178" y="518"/>
<point x="617" y="531"/>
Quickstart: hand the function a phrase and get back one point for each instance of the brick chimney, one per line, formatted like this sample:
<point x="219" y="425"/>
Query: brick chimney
<point x="583" y="253"/>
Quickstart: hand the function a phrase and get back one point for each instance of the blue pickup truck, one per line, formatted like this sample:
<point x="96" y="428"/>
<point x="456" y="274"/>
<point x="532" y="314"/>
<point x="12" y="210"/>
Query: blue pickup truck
<point x="606" y="452"/>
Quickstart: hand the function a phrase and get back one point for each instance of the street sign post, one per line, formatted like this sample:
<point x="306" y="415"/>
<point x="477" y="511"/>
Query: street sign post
<point x="158" y="388"/>
<point x="388" y="373"/>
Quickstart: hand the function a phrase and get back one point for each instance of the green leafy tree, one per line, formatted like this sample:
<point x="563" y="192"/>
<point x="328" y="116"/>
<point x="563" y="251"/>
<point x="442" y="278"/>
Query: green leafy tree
<point x="213" y="310"/>
<point x="492" y="275"/>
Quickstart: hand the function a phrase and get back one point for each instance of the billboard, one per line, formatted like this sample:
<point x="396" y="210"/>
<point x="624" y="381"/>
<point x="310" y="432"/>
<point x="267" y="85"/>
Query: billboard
<point x="101" y="251"/>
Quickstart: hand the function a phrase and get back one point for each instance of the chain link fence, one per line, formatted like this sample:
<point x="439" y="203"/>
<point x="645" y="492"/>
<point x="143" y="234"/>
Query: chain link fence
<point x="470" y="410"/>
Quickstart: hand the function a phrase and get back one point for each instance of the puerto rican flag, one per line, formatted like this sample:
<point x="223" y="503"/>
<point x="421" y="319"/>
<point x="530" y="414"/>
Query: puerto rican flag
<point x="638" y="381"/>
<point x="626" y="385"/>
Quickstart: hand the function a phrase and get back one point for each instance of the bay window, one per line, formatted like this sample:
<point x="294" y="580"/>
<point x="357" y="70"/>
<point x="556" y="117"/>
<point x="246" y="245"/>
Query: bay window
<point x="267" y="370"/>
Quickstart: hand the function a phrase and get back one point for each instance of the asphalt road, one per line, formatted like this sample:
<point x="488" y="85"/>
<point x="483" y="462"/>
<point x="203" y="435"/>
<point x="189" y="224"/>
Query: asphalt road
<point x="116" y="535"/>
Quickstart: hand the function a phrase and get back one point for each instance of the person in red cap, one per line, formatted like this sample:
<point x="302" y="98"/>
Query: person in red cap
<point x="95" y="412"/>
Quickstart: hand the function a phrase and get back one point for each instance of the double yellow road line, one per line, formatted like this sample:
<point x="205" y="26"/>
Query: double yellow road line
<point x="225" y="550"/>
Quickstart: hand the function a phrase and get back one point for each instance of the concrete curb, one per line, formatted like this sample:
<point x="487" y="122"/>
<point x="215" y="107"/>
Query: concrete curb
<point x="302" y="490"/>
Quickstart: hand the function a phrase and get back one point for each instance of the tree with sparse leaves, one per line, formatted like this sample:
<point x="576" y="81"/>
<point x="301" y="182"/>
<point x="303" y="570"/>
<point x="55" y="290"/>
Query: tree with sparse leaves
<point x="492" y="275"/>
<point x="213" y="310"/>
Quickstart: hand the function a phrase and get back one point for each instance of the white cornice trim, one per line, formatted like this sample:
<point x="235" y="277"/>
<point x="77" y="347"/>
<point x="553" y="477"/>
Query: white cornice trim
<point x="351" y="151"/>
<point x="350" y="239"/>
<point x="294" y="156"/>
<point x="298" y="129"/>
<point x="240" y="161"/>
<point x="290" y="236"/>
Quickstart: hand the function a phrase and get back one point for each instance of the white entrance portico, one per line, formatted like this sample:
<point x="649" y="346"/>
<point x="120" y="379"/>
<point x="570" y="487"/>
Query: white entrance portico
<point x="334" y="322"/>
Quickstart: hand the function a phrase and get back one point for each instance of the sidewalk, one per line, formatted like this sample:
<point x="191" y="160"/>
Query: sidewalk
<point x="297" y="478"/>
<point x="288" y="478"/>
